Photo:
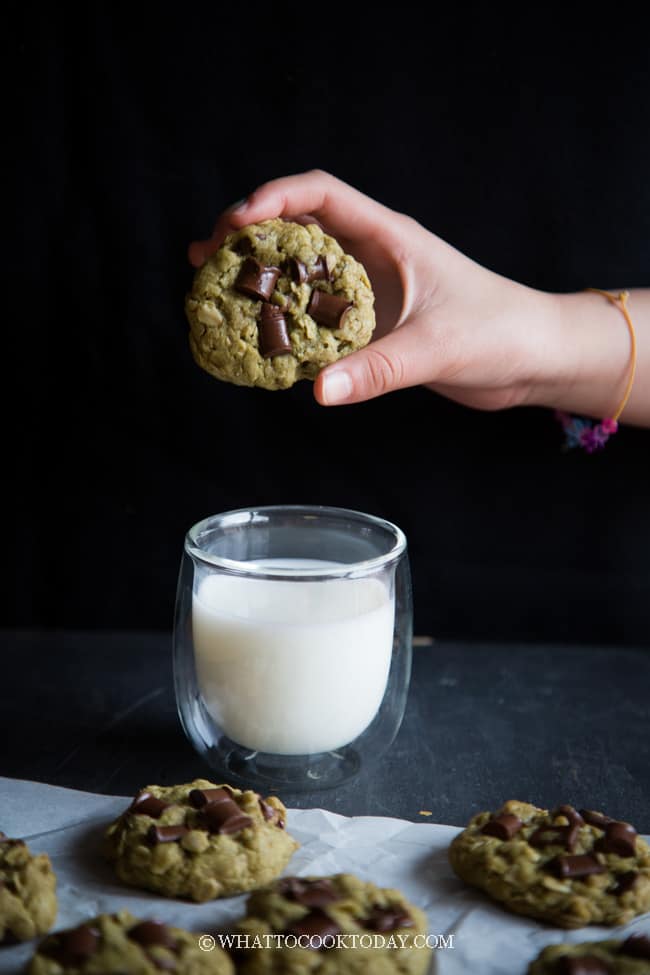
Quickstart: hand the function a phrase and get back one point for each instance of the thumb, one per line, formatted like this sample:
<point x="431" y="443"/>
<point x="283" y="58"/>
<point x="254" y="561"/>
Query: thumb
<point x="406" y="357"/>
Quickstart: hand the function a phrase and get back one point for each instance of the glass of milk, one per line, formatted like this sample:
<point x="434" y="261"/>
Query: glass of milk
<point x="292" y="651"/>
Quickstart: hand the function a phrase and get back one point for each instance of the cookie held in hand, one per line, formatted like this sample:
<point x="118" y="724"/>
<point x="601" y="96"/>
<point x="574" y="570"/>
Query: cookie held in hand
<point x="567" y="867"/>
<point x="276" y="303"/>
<point x="200" y="840"/>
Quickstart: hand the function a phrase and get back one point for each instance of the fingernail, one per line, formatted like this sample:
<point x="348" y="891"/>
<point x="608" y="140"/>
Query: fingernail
<point x="337" y="386"/>
<point x="239" y="205"/>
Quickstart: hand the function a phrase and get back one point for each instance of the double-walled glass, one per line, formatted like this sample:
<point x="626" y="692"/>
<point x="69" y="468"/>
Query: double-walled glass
<point x="292" y="644"/>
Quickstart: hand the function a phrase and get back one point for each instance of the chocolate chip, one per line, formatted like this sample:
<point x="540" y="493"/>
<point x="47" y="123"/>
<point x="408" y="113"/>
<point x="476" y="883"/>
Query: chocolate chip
<point x="637" y="946"/>
<point x="565" y="836"/>
<point x="297" y="270"/>
<point x="166" y="834"/>
<point x="574" y="817"/>
<point x="243" y="246"/>
<point x="328" y="310"/>
<point x="164" y="964"/>
<point x="267" y="811"/>
<point x="387" y="919"/>
<point x="319" y="271"/>
<point x="145" y="804"/>
<point x="595" y="818"/>
<point x="317" y="927"/>
<point x="309" y="893"/>
<point x="503" y="827"/>
<point x="619" y="838"/>
<point x="575" y="866"/>
<point x="582" y="965"/>
<point x="152" y="933"/>
<point x="73" y="946"/>
<point x="201" y="797"/>
<point x="257" y="280"/>
<point x="273" y="335"/>
<point x="625" y="882"/>
<point x="225" y="817"/>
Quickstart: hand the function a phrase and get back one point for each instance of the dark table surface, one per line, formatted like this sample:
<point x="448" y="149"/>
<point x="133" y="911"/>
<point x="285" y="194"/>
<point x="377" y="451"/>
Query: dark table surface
<point x="484" y="723"/>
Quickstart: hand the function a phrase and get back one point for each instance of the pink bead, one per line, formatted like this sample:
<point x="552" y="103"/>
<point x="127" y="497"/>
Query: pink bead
<point x="609" y="426"/>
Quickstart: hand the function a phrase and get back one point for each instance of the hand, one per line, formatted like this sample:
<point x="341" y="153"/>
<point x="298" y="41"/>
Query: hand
<point x="443" y="320"/>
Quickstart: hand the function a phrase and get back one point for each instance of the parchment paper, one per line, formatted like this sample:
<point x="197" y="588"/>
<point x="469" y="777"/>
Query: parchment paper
<point x="389" y="852"/>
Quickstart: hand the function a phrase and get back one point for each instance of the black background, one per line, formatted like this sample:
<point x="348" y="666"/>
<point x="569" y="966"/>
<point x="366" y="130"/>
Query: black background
<point x="524" y="144"/>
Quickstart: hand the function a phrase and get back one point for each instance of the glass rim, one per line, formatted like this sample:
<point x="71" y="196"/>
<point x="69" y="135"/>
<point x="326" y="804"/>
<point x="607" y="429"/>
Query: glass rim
<point x="236" y="567"/>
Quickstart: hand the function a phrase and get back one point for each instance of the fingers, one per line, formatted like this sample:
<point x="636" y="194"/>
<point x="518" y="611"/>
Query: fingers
<point x="340" y="208"/>
<point x="408" y="356"/>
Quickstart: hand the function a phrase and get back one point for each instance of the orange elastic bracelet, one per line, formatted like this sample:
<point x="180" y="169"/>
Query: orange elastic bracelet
<point x="578" y="430"/>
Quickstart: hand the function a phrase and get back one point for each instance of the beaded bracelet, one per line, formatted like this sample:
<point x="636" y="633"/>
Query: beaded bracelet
<point x="581" y="432"/>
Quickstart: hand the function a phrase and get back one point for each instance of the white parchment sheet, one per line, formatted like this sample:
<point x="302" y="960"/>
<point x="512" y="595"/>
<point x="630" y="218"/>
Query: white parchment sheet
<point x="389" y="852"/>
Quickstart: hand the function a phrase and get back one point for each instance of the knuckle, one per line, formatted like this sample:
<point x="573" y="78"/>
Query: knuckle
<point x="382" y="372"/>
<point x="319" y="174"/>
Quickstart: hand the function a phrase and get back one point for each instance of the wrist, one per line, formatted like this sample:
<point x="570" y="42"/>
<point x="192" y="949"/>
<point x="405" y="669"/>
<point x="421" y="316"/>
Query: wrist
<point x="586" y="356"/>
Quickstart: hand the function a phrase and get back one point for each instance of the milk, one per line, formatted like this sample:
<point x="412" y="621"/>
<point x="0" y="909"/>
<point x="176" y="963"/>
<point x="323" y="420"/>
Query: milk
<point x="292" y="667"/>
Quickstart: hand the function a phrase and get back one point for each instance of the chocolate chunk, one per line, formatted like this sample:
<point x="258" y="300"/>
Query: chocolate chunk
<point x="297" y="270"/>
<point x="637" y="946"/>
<point x="273" y="335"/>
<point x="73" y="946"/>
<point x="582" y="965"/>
<point x="243" y="246"/>
<point x="317" y="927"/>
<point x="166" y="834"/>
<point x="152" y="933"/>
<point x="565" y="836"/>
<point x="595" y="818"/>
<point x="267" y="811"/>
<point x="574" y="817"/>
<point x="625" y="882"/>
<point x="575" y="866"/>
<point x="387" y="919"/>
<point x="503" y="827"/>
<point x="225" y="817"/>
<point x="257" y="280"/>
<point x="328" y="310"/>
<point x="145" y="804"/>
<point x="201" y="797"/>
<point x="319" y="271"/>
<point x="619" y="838"/>
<point x="164" y="964"/>
<point x="309" y="893"/>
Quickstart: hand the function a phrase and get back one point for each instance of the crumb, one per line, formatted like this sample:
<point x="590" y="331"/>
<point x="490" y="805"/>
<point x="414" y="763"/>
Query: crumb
<point x="425" y="812"/>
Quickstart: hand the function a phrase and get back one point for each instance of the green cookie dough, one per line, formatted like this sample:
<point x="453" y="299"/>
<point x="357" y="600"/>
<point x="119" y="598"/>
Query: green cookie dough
<point x="27" y="892"/>
<point x="616" y="958"/>
<point x="225" y="324"/>
<point x="232" y="844"/>
<point x="119" y="944"/>
<point x="527" y="871"/>
<point x="341" y="925"/>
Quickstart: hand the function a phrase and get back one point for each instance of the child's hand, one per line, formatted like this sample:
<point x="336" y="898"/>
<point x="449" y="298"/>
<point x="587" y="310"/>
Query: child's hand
<point x="443" y="320"/>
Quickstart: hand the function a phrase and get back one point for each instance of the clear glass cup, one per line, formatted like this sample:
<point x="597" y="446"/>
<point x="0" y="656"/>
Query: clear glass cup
<point x="292" y="643"/>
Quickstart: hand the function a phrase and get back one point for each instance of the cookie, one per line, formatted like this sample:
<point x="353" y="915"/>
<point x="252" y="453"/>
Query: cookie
<point x="566" y="867"/>
<point x="276" y="303"/>
<point x="27" y="892"/>
<point x="331" y="925"/>
<point x="119" y="943"/>
<point x="199" y="840"/>
<point x="629" y="957"/>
